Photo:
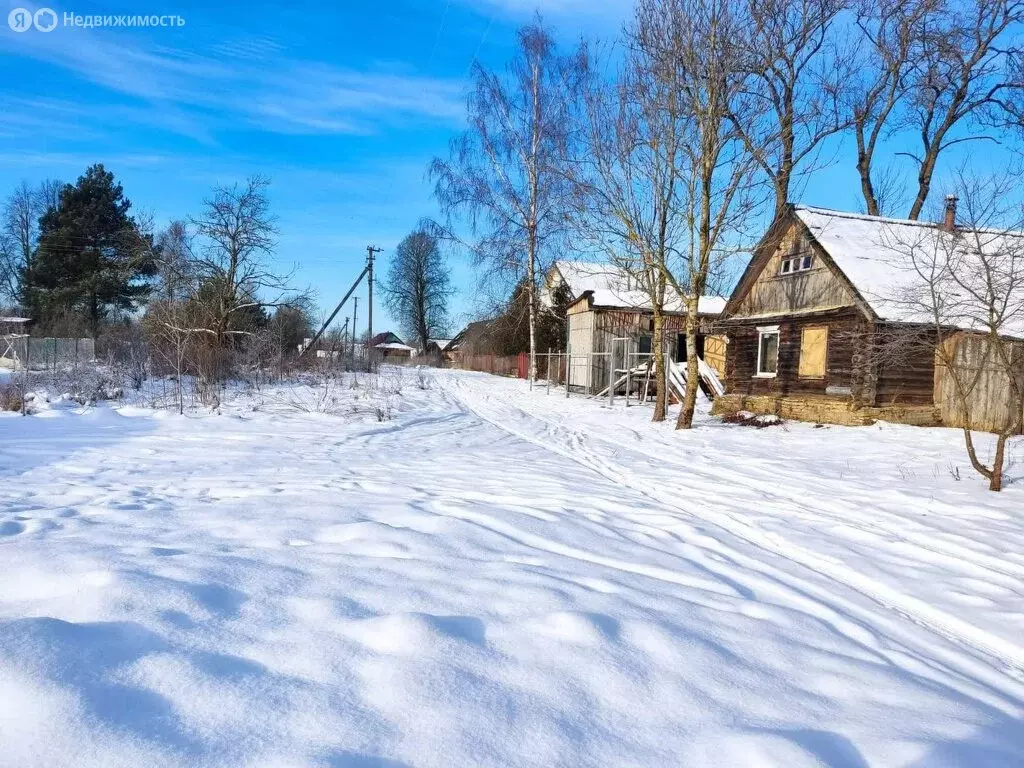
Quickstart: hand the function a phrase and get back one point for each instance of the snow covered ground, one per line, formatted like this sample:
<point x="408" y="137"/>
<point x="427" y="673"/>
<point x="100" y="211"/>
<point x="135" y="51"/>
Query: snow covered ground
<point x="499" y="577"/>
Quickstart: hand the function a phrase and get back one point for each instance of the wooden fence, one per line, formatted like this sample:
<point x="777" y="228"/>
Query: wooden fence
<point x="549" y="365"/>
<point x="499" y="365"/>
<point x="989" y="404"/>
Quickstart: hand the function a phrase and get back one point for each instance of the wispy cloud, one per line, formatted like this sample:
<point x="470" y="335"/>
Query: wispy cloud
<point x="244" y="83"/>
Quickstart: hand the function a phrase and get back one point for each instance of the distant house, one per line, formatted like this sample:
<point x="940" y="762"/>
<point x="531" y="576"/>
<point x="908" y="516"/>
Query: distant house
<point x="391" y="348"/>
<point x="475" y="339"/>
<point x="804" y="321"/>
<point x="608" y="311"/>
<point x="438" y="349"/>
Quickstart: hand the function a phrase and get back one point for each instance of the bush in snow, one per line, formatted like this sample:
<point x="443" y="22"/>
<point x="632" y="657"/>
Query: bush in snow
<point x="11" y="398"/>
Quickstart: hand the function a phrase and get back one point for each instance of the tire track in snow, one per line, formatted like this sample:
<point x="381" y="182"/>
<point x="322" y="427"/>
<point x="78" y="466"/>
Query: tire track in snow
<point x="982" y="644"/>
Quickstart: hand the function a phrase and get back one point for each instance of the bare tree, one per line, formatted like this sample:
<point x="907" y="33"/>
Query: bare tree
<point x="935" y="67"/>
<point x="626" y="202"/>
<point x="418" y="285"/>
<point x="966" y="283"/>
<point x="791" y="101"/>
<point x="880" y="85"/>
<point x="237" y="234"/>
<point x="19" y="234"/>
<point x="503" y="173"/>
<point x="172" y="317"/>
<point x="698" y="47"/>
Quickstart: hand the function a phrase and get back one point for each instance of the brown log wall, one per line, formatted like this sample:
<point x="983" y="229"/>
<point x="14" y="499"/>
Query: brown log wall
<point x="847" y="365"/>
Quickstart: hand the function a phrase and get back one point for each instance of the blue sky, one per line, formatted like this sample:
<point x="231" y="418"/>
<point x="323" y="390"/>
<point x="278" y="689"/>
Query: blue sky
<point x="341" y="105"/>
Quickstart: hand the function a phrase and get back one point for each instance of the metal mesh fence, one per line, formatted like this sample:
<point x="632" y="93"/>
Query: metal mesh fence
<point x="47" y="354"/>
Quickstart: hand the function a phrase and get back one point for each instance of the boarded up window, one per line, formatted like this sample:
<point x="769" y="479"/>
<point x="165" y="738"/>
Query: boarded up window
<point x="813" y="348"/>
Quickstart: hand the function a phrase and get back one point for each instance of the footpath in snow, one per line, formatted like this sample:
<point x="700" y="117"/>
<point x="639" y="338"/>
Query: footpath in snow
<point x="499" y="577"/>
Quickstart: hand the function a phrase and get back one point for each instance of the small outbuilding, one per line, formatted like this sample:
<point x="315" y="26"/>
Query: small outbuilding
<point x="608" y="313"/>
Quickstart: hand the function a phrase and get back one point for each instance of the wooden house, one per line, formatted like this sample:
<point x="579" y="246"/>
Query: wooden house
<point x="608" y="313"/>
<point x="389" y="347"/>
<point x="807" y="324"/>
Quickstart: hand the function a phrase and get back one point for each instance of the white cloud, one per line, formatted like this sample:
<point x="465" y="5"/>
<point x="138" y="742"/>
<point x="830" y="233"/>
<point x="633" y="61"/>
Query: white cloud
<point x="250" y="82"/>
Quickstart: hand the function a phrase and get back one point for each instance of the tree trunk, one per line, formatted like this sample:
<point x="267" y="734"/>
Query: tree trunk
<point x="658" y="349"/>
<point x="532" y="297"/>
<point x="867" y="188"/>
<point x="685" y="420"/>
<point x="995" y="482"/>
<point x="924" y="184"/>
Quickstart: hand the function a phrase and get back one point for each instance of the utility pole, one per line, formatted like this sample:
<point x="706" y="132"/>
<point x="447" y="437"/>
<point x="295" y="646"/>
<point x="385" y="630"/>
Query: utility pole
<point x="355" y="320"/>
<point x="370" y="250"/>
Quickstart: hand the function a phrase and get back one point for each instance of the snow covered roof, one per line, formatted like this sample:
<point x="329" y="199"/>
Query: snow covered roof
<point x="442" y="344"/>
<point x="393" y="345"/>
<point x="881" y="257"/>
<point x="15" y="320"/>
<point x="612" y="286"/>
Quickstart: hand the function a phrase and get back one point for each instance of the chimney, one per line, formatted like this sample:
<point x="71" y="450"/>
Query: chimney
<point x="949" y="220"/>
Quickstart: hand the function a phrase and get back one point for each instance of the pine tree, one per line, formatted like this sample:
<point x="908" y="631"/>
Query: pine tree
<point x="92" y="258"/>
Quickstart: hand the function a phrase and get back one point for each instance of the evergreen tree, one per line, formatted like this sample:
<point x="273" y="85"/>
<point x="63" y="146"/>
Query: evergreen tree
<point x="510" y="332"/>
<point x="92" y="258"/>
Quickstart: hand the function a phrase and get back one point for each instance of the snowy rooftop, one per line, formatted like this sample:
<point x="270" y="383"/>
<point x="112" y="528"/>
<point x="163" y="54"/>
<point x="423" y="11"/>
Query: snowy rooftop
<point x="441" y="343"/>
<point x="882" y="257"/>
<point x="14" y="320"/>
<point x="614" y="287"/>
<point x="393" y="345"/>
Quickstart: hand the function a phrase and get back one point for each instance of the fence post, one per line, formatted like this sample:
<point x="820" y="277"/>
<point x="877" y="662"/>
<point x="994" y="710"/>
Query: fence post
<point x="24" y="374"/>
<point x="611" y="373"/>
<point x="629" y="376"/>
<point x="568" y="368"/>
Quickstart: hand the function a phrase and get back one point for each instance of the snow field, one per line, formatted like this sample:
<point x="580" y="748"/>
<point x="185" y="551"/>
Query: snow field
<point x="500" y="578"/>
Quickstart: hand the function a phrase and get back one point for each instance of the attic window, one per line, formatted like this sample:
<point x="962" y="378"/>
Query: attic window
<point x="796" y="263"/>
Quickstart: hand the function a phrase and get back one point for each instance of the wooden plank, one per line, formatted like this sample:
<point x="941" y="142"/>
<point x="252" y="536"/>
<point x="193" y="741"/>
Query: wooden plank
<point x="813" y="352"/>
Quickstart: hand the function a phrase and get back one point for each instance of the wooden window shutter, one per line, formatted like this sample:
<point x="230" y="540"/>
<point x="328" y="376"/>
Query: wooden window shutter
<point x="813" y="349"/>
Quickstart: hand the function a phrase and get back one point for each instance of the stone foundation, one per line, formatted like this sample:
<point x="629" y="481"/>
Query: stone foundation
<point x="827" y="410"/>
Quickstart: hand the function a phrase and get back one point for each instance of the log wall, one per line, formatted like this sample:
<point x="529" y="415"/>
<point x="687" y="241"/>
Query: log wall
<point x="846" y="370"/>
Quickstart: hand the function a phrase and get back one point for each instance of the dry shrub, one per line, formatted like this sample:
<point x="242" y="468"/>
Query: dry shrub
<point x="10" y="397"/>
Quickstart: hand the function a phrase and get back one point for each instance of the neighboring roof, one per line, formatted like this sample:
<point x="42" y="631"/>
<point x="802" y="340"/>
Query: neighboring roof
<point x="611" y="286"/>
<point x="442" y="344"/>
<point x="393" y="345"/>
<point x="15" y="320"/>
<point x="876" y="256"/>
<point x="387" y="337"/>
<point x="475" y="329"/>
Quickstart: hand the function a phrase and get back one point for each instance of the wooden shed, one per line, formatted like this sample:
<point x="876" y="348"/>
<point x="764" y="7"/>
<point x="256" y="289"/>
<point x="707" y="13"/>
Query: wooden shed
<point x="611" y="324"/>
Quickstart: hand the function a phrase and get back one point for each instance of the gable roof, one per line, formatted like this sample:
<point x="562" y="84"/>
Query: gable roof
<point x="876" y="255"/>
<point x="611" y="286"/>
<point x="387" y="337"/>
<point x="442" y="344"/>
<point x="473" y="332"/>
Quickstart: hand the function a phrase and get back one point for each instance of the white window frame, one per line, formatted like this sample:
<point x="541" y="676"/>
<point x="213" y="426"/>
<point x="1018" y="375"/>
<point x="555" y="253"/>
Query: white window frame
<point x="762" y="331"/>
<point x="791" y="265"/>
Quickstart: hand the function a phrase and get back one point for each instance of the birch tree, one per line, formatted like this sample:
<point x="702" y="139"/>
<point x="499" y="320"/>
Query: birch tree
<point x="627" y="206"/>
<point x="503" y="173"/>
<point x="698" y="47"/>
